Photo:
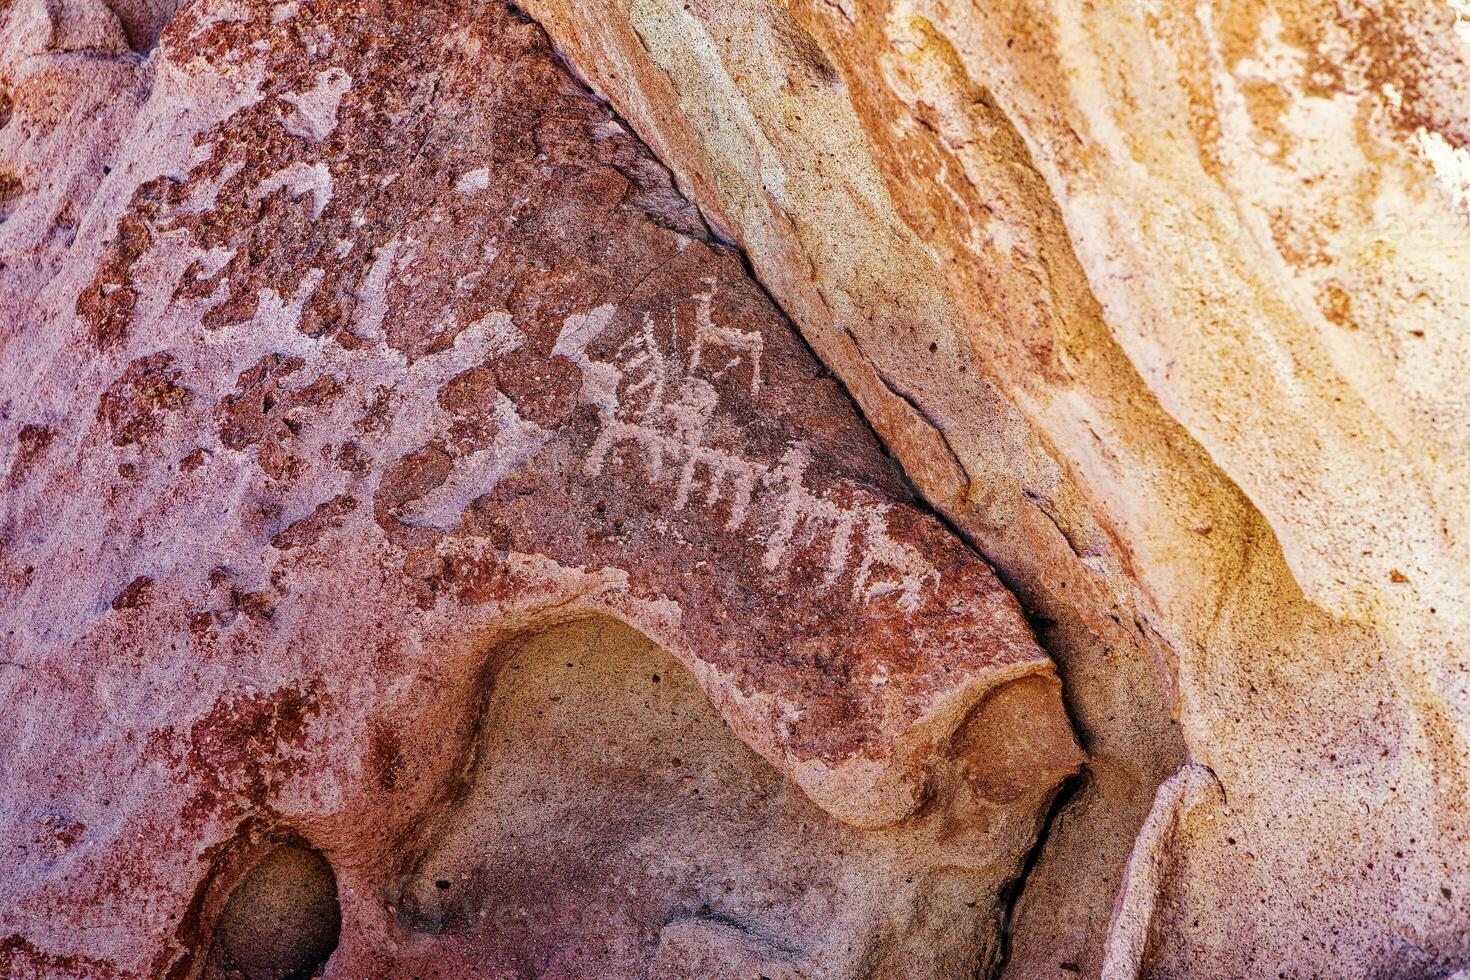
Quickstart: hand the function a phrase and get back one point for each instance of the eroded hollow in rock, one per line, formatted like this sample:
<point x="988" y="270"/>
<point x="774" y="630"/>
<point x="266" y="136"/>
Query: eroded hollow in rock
<point x="282" y="921"/>
<point x="144" y="20"/>
<point x="614" y="825"/>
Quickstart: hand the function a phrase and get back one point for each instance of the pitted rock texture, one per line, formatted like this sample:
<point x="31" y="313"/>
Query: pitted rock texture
<point x="1163" y="306"/>
<point x="358" y="361"/>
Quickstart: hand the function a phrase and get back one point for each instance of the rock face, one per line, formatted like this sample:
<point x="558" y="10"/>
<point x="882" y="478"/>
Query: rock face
<point x="428" y="549"/>
<point x="1163" y="307"/>
<point x="428" y="553"/>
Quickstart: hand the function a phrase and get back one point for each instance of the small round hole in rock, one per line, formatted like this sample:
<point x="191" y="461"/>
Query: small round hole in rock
<point x="281" y="922"/>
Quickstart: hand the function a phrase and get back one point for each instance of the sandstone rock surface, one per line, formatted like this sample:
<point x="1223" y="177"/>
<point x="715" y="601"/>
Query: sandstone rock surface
<point x="1164" y="307"/>
<point x="427" y="553"/>
<point x="428" y="549"/>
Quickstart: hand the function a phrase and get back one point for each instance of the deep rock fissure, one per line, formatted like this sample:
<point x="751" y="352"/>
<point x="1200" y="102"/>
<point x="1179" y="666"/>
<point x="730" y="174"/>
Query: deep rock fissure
<point x="1011" y="894"/>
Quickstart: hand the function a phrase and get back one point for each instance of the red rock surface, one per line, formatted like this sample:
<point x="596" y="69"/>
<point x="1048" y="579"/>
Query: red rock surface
<point x="354" y="352"/>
